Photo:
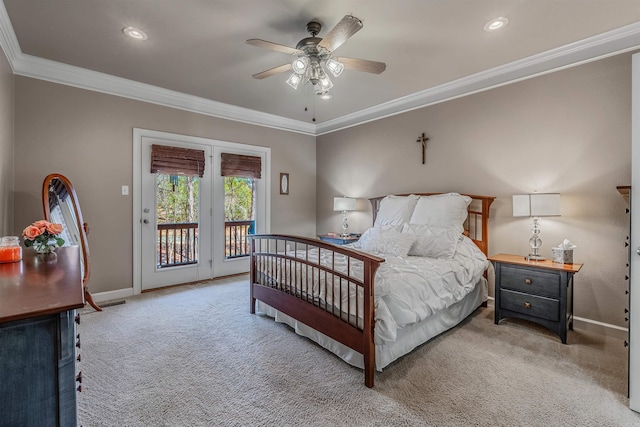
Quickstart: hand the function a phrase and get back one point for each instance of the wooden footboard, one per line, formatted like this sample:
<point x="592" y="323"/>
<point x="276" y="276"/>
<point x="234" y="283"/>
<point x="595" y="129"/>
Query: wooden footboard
<point x="327" y="287"/>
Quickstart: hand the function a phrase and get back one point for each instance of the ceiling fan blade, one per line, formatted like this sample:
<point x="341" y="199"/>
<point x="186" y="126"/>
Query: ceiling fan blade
<point x="274" y="46"/>
<point x="272" y="71"/>
<point x="348" y="26"/>
<point x="363" y="65"/>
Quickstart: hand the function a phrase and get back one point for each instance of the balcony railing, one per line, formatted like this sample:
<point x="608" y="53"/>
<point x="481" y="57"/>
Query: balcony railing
<point x="235" y="235"/>
<point x="178" y="243"/>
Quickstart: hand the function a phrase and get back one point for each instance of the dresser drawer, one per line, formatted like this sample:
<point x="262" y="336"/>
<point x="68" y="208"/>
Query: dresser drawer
<point x="531" y="305"/>
<point x="531" y="281"/>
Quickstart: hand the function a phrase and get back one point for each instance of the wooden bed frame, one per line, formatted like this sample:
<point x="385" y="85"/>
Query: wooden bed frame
<point x="300" y="277"/>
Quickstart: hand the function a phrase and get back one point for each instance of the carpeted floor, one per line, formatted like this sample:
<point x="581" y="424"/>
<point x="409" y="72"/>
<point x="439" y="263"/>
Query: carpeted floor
<point x="194" y="356"/>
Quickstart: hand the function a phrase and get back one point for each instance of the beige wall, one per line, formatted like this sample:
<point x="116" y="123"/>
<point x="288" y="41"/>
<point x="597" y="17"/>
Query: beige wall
<point x="566" y="132"/>
<point x="6" y="146"/>
<point x="87" y="136"/>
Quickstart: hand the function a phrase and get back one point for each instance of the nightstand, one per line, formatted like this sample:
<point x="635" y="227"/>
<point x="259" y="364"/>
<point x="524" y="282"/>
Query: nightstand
<point x="338" y="240"/>
<point x="537" y="291"/>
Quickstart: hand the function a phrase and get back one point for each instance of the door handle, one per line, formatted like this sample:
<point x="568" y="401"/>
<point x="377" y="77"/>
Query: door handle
<point x="146" y="221"/>
<point x="638" y="251"/>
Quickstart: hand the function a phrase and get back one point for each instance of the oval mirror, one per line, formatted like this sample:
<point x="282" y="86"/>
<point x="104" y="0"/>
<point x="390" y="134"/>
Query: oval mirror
<point x="61" y="206"/>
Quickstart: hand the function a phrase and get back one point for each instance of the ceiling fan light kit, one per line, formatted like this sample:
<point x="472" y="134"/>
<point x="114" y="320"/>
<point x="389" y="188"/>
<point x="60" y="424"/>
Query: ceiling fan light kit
<point x="335" y="67"/>
<point x="313" y="56"/>
<point x="294" y="80"/>
<point x="300" y="65"/>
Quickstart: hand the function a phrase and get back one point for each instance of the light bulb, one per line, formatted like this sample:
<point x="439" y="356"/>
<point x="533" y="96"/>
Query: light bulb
<point x="294" y="80"/>
<point x="134" y="33"/>
<point x="496" y="24"/>
<point x="335" y="67"/>
<point x="325" y="83"/>
<point x="300" y="64"/>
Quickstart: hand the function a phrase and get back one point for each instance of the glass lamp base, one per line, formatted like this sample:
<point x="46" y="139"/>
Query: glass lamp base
<point x="345" y="225"/>
<point x="531" y="257"/>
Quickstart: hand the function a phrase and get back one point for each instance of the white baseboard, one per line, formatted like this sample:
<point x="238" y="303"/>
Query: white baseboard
<point x="112" y="295"/>
<point x="591" y="325"/>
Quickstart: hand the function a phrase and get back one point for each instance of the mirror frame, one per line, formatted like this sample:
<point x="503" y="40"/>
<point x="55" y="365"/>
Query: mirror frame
<point x="83" y="227"/>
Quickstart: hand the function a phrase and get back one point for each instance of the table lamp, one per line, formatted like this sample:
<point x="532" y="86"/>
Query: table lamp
<point x="536" y="205"/>
<point x="344" y="204"/>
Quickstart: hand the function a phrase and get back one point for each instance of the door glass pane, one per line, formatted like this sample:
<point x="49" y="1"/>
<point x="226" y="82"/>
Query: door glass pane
<point x="239" y="215"/>
<point x="177" y="218"/>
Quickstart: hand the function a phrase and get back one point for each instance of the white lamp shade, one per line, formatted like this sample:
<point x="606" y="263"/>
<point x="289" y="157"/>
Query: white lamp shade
<point x="344" y="204"/>
<point x="547" y="204"/>
<point x="521" y="205"/>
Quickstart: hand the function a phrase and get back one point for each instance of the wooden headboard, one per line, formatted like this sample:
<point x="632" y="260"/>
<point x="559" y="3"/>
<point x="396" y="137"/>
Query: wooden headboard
<point x="477" y="224"/>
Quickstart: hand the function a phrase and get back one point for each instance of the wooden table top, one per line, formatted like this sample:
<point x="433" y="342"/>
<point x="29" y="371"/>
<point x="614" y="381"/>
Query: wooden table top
<point x="547" y="263"/>
<point x="32" y="288"/>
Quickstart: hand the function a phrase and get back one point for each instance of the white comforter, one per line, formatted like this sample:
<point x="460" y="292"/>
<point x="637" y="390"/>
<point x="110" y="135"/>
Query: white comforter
<point x="407" y="289"/>
<point x="410" y="289"/>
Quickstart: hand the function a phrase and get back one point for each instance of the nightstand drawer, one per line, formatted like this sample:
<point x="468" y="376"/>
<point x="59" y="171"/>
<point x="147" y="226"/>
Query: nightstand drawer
<point x="531" y="305"/>
<point x="532" y="282"/>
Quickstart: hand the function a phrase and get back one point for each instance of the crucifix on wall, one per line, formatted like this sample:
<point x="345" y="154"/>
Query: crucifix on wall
<point x="423" y="139"/>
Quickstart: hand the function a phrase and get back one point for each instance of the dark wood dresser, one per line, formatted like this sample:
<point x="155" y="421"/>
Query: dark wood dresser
<point x="537" y="291"/>
<point x="38" y="339"/>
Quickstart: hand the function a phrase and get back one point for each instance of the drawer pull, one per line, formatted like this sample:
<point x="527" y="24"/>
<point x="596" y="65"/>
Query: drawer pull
<point x="78" y="358"/>
<point x="79" y="389"/>
<point x="78" y="343"/>
<point x="626" y="344"/>
<point x="79" y="377"/>
<point x="528" y="281"/>
<point x="77" y="319"/>
<point x="527" y="305"/>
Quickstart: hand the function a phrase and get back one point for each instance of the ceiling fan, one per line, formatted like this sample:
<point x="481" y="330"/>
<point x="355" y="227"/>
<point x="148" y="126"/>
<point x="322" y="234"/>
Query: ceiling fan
<point x="314" y="54"/>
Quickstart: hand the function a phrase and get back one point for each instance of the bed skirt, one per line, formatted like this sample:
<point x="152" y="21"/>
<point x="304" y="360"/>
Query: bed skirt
<point x="408" y="338"/>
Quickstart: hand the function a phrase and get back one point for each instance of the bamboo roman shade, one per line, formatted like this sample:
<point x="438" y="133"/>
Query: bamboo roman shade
<point x="241" y="166"/>
<point x="177" y="161"/>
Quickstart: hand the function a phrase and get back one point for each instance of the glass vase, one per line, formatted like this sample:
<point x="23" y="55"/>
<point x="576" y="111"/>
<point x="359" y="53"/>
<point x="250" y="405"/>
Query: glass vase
<point x="45" y="247"/>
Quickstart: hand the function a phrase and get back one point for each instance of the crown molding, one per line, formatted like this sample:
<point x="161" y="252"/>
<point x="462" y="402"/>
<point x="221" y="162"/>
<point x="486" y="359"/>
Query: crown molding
<point x="44" y="69"/>
<point x="611" y="43"/>
<point x="8" y="40"/>
<point x="57" y="72"/>
<point x="590" y="49"/>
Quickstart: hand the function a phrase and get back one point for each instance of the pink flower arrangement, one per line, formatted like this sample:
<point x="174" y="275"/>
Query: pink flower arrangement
<point x="43" y="236"/>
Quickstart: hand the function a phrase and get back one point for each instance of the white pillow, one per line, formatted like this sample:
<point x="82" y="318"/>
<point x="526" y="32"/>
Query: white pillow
<point x="395" y="210"/>
<point x="387" y="240"/>
<point x="442" y="210"/>
<point x="433" y="241"/>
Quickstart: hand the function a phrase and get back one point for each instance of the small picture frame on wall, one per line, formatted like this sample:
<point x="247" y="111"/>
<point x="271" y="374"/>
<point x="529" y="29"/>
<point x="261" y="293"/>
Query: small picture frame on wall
<point x="284" y="183"/>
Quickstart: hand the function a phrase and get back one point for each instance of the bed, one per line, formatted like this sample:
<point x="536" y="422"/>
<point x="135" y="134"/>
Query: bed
<point x="417" y="272"/>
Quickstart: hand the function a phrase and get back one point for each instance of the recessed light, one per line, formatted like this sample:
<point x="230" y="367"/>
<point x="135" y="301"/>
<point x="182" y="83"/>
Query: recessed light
<point x="135" y="33"/>
<point x="496" y="24"/>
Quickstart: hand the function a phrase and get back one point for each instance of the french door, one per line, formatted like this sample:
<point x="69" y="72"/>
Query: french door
<point x="174" y="245"/>
<point x="184" y="227"/>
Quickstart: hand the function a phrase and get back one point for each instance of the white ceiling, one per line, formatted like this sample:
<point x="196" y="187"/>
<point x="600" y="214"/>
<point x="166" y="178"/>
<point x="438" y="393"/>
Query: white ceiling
<point x="196" y="57"/>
